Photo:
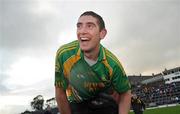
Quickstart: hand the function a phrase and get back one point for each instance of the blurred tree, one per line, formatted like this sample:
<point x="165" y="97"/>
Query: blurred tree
<point x="51" y="102"/>
<point x="37" y="103"/>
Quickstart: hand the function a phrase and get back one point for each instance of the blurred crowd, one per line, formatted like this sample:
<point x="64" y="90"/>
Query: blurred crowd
<point x="159" y="93"/>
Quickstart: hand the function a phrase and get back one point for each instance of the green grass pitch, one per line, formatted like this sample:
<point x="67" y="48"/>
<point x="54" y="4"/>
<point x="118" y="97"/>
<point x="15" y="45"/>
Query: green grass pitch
<point x="164" y="110"/>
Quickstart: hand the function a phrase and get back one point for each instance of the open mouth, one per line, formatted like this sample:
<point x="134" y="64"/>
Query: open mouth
<point x="84" y="39"/>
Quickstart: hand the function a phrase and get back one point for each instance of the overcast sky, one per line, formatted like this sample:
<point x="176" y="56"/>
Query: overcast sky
<point x="143" y="34"/>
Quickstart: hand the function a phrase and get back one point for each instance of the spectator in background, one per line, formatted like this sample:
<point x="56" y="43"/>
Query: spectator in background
<point x="137" y="104"/>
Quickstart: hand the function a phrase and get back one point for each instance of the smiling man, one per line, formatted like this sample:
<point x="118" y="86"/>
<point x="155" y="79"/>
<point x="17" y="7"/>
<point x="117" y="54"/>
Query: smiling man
<point x="89" y="79"/>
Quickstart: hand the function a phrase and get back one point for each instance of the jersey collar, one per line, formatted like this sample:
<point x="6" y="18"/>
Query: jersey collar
<point x="101" y="56"/>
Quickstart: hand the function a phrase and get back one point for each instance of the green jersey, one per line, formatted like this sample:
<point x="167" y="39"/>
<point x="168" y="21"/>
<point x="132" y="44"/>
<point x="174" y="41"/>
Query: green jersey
<point x="82" y="81"/>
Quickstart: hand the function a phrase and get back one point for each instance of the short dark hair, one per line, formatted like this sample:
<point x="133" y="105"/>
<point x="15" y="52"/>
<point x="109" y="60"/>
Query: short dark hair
<point x="98" y="17"/>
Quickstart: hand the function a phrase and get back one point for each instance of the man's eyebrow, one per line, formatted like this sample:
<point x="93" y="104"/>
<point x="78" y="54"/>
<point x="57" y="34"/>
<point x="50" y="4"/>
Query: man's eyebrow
<point x="79" y="23"/>
<point x="91" y="23"/>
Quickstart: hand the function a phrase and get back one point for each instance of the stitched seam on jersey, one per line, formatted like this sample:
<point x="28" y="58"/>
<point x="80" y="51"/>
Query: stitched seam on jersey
<point x="109" y="67"/>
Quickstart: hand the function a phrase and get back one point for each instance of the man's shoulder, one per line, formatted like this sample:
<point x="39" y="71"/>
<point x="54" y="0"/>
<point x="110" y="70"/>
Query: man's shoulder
<point x="113" y="60"/>
<point x="68" y="48"/>
<point x="111" y="57"/>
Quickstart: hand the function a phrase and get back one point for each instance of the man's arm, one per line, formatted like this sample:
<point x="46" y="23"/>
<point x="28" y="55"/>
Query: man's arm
<point x="61" y="98"/>
<point x="124" y="102"/>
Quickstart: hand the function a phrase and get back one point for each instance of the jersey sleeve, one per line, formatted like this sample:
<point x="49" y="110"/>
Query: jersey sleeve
<point x="120" y="80"/>
<point x="60" y="80"/>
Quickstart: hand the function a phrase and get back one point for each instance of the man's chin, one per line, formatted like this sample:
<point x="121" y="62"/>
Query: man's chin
<point x="85" y="50"/>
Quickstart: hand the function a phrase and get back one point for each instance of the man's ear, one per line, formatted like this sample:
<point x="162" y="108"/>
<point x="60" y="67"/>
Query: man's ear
<point x="103" y="33"/>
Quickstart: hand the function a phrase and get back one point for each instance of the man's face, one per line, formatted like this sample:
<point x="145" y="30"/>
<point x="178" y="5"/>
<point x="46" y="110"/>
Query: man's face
<point x="89" y="34"/>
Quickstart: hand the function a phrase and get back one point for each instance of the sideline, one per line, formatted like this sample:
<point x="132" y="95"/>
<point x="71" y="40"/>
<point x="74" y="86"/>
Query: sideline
<point x="161" y="106"/>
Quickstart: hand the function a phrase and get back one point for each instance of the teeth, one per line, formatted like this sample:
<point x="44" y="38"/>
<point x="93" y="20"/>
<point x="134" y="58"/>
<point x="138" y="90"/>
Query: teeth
<point x="83" y="38"/>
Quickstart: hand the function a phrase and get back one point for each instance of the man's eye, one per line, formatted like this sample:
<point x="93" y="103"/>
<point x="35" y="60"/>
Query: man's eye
<point x="90" y="26"/>
<point x="78" y="26"/>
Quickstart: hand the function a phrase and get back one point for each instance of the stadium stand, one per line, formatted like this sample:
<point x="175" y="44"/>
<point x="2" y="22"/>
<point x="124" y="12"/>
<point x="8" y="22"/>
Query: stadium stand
<point x="160" y="89"/>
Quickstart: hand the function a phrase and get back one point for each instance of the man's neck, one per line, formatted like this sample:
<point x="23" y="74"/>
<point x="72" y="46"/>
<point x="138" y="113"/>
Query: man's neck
<point x="92" y="55"/>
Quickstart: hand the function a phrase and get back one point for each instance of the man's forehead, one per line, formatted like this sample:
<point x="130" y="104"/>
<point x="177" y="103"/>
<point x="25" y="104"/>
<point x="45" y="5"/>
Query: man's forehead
<point x="87" y="19"/>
